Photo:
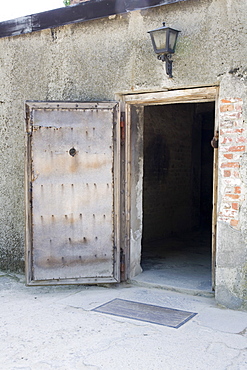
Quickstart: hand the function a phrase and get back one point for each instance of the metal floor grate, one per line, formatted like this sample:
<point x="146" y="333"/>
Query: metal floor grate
<point x="145" y="312"/>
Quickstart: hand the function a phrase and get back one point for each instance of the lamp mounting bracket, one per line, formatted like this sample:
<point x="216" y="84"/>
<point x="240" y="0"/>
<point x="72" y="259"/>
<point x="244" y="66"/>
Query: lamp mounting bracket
<point x="167" y="58"/>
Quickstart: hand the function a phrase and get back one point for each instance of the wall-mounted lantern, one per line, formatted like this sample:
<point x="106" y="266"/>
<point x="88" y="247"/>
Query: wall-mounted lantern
<point x="164" y="42"/>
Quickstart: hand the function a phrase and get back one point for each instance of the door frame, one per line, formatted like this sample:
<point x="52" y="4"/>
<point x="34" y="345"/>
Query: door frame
<point x="138" y="101"/>
<point x="30" y="106"/>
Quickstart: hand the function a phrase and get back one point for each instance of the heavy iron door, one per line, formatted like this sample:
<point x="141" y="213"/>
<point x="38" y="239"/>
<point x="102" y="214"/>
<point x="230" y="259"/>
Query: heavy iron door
<point x="72" y="165"/>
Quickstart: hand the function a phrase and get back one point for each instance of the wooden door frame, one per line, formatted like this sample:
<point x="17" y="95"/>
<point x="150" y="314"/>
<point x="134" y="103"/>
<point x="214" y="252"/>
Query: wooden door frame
<point x="140" y="100"/>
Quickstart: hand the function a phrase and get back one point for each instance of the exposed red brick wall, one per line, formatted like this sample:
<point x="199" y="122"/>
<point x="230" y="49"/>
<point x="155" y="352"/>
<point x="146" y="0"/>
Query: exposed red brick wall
<point x="232" y="144"/>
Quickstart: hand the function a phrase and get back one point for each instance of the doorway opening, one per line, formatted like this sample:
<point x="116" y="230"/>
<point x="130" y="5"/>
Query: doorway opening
<point x="178" y="195"/>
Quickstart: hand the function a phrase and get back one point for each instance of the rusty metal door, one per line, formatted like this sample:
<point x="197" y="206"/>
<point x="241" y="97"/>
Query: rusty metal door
<point x="72" y="165"/>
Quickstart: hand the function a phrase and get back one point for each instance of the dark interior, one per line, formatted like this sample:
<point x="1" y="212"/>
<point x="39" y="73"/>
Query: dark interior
<point x="178" y="180"/>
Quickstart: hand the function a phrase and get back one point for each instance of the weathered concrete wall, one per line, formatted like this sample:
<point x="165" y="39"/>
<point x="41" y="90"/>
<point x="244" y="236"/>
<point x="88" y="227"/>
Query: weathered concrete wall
<point x="93" y="61"/>
<point x="136" y="206"/>
<point x="231" y="272"/>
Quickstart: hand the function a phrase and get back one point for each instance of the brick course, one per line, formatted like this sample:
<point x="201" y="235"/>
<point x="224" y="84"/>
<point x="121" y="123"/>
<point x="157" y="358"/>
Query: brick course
<point x="231" y="133"/>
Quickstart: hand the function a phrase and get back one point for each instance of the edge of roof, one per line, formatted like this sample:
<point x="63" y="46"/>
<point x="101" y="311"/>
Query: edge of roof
<point x="82" y="12"/>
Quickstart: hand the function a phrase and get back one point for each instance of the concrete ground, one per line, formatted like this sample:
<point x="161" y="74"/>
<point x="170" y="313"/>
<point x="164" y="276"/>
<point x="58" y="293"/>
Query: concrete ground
<point x="54" y="328"/>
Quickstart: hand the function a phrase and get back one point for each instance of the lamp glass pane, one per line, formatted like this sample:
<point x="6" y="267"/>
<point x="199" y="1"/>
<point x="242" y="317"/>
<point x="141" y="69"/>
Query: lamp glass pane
<point x="172" y="39"/>
<point x="160" y="39"/>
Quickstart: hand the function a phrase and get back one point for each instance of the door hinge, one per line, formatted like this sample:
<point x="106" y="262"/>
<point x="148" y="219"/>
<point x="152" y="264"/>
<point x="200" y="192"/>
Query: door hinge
<point x="122" y="265"/>
<point x="122" y="127"/>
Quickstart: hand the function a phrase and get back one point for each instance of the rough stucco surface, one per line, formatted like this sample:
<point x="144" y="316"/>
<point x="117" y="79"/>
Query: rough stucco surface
<point x="231" y="256"/>
<point x="136" y="190"/>
<point x="93" y="61"/>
